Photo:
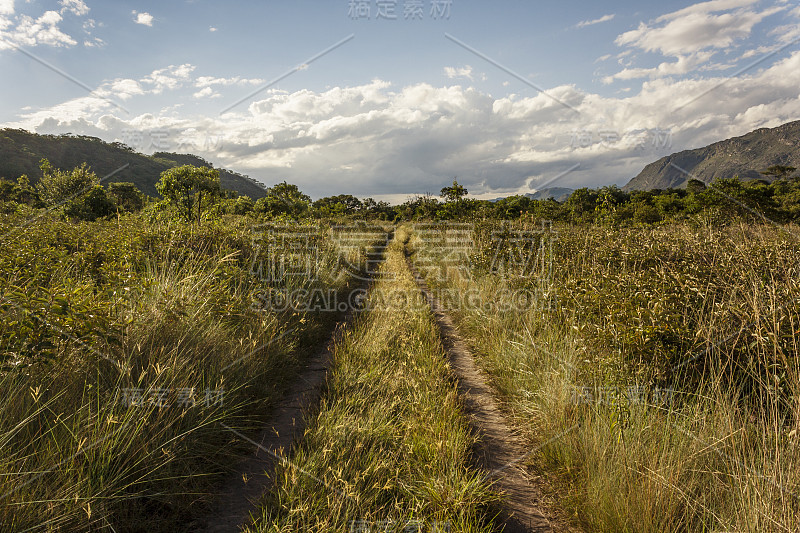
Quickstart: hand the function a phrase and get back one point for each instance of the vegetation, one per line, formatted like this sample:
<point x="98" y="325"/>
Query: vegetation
<point x="125" y="346"/>
<point x="656" y="367"/>
<point x="389" y="448"/>
<point x="646" y="345"/>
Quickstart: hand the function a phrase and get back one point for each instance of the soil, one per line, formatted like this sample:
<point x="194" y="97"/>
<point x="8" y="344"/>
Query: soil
<point x="499" y="451"/>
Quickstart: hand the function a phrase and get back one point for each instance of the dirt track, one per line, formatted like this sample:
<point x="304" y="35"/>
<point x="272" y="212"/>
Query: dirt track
<point x="499" y="450"/>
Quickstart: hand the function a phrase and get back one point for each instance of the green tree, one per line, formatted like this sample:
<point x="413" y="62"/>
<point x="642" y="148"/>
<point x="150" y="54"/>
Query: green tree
<point x="57" y="186"/>
<point x="91" y="206"/>
<point x="128" y="197"/>
<point x="778" y="171"/>
<point x="284" y="199"/>
<point x="340" y="204"/>
<point x="695" y="186"/>
<point x="190" y="189"/>
<point x="454" y="193"/>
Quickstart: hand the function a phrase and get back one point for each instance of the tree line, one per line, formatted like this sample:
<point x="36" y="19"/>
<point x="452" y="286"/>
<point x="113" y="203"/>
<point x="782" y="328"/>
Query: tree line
<point x="193" y="193"/>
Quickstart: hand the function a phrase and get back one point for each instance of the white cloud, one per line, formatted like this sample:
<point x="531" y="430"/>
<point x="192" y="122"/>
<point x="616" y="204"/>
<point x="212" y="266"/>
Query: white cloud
<point x="145" y="19"/>
<point x="696" y="28"/>
<point x="212" y="29"/>
<point x="379" y="139"/>
<point x="604" y="18"/>
<point x="206" y="92"/>
<point x="208" y="81"/>
<point x="33" y="32"/>
<point x="27" y="30"/>
<point x="464" y="72"/>
<point x="171" y="77"/>
<point x="76" y="7"/>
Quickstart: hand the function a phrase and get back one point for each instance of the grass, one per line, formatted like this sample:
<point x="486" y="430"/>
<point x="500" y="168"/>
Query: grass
<point x="125" y="346"/>
<point x="709" y="312"/>
<point x="389" y="445"/>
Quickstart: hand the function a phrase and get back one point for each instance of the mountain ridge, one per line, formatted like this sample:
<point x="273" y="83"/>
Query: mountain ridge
<point x="744" y="156"/>
<point x="21" y="151"/>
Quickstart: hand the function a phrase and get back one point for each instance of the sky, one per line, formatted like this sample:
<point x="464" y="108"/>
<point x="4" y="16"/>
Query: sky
<point x="391" y="98"/>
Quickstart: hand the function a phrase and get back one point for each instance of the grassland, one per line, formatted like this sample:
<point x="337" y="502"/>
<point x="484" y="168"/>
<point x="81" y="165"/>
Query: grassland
<point x="657" y="367"/>
<point x="389" y="447"/>
<point x="126" y="345"/>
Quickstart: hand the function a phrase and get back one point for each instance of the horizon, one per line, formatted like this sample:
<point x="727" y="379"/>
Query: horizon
<point x="379" y="99"/>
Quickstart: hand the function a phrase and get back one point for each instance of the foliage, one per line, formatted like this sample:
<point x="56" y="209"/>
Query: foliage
<point x="58" y="186"/>
<point x="190" y="189"/>
<point x="127" y="196"/>
<point x="284" y="199"/>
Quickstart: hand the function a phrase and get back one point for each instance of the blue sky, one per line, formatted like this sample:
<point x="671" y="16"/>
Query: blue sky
<point x="405" y="103"/>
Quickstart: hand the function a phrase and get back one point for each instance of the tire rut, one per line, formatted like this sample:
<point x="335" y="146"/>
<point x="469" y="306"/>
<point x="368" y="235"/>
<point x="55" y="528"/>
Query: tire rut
<point x="238" y="497"/>
<point x="499" y="450"/>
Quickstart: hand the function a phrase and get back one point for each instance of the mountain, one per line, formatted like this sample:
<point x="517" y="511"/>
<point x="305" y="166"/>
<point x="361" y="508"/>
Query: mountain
<point x="557" y="193"/>
<point x="21" y="151"/>
<point x="741" y="156"/>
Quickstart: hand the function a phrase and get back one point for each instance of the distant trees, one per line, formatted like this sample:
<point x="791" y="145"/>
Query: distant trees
<point x="57" y="186"/>
<point x="284" y="199"/>
<point x="190" y="189"/>
<point x="778" y="171"/>
<point x="454" y="193"/>
<point x="128" y="197"/>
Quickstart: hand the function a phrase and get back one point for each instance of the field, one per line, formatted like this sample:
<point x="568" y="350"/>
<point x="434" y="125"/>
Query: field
<point x="650" y="372"/>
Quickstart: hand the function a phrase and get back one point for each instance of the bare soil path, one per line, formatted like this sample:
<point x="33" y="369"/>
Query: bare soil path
<point x="238" y="497"/>
<point x="499" y="451"/>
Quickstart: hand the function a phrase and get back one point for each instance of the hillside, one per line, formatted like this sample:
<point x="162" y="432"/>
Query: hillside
<point x="21" y="151"/>
<point x="741" y="156"/>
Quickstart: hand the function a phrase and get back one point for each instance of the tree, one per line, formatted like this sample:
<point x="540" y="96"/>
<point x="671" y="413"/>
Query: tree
<point x="778" y="171"/>
<point x="695" y="186"/>
<point x="127" y="195"/>
<point x="58" y="186"/>
<point x="284" y="199"/>
<point x="453" y="193"/>
<point x="340" y="204"/>
<point x="190" y="189"/>
<point x="91" y="206"/>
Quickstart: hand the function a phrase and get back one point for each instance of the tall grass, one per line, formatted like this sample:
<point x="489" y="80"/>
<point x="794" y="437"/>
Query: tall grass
<point x="709" y="312"/>
<point x="389" y="448"/>
<point x="125" y="346"/>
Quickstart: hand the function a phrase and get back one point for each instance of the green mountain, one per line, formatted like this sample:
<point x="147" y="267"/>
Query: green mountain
<point x="743" y="156"/>
<point x="21" y="151"/>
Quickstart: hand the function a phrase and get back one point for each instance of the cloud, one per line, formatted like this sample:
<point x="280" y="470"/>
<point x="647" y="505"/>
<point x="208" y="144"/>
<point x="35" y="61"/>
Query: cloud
<point x="212" y="29"/>
<point x="76" y="7"/>
<point x="27" y="30"/>
<point x="32" y="32"/>
<point x="691" y="38"/>
<point x="604" y="18"/>
<point x="381" y="139"/>
<point x="695" y="28"/>
<point x="465" y="72"/>
<point x="208" y="81"/>
<point x="145" y="19"/>
<point x="171" y="77"/>
<point x="206" y="92"/>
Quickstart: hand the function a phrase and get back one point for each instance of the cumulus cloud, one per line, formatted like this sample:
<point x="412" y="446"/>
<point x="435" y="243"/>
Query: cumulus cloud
<point x="464" y="72"/>
<point x="206" y="92"/>
<point x="76" y="7"/>
<point x="691" y="37"/>
<point x="604" y="18"/>
<point x="145" y="19"/>
<point x="27" y="30"/>
<point x="208" y="81"/>
<point x="380" y="139"/>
